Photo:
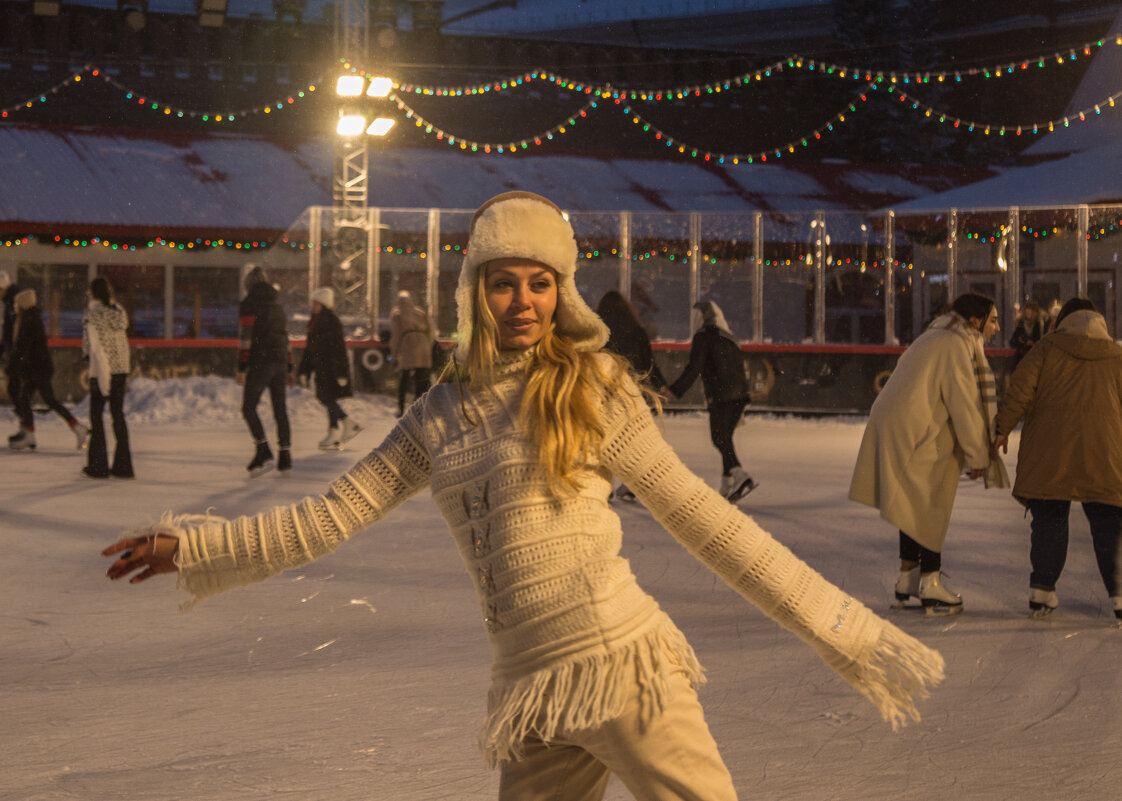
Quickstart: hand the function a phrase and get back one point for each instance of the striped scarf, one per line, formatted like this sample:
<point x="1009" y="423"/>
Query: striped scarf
<point x="996" y="475"/>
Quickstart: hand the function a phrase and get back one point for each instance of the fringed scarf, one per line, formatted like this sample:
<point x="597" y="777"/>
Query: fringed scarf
<point x="996" y="475"/>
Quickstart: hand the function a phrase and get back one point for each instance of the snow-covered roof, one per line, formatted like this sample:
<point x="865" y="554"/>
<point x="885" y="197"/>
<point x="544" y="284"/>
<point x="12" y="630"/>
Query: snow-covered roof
<point x="138" y="180"/>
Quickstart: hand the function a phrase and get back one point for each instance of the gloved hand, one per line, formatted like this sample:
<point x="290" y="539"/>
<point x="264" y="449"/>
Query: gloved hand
<point x="341" y="381"/>
<point x="304" y="380"/>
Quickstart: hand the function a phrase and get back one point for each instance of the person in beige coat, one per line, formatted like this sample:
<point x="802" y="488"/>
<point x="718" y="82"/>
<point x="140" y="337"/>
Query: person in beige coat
<point x="411" y="337"/>
<point x="931" y="420"/>
<point x="1068" y="389"/>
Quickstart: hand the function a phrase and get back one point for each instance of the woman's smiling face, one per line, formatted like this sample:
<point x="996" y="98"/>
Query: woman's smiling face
<point x="522" y="297"/>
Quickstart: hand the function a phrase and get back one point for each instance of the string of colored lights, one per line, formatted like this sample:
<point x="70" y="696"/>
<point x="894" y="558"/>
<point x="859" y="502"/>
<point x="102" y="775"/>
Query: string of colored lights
<point x="131" y="95"/>
<point x="1094" y="110"/>
<point x="793" y="61"/>
<point x="465" y="143"/>
<point x="749" y="158"/>
<point x="131" y="244"/>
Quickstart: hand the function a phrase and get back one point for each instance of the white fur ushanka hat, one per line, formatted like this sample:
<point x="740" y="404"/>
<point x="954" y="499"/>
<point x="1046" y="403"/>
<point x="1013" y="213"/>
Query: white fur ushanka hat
<point x="525" y="225"/>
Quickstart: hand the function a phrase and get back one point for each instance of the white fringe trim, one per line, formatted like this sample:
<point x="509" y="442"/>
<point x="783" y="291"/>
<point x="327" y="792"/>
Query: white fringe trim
<point x="896" y="671"/>
<point x="585" y="692"/>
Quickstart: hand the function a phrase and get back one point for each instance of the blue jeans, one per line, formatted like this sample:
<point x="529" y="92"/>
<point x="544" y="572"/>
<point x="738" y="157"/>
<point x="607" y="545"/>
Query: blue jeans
<point x="1050" y="535"/>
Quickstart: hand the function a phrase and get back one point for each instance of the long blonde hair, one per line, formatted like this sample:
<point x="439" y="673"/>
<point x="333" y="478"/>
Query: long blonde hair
<point x="565" y="389"/>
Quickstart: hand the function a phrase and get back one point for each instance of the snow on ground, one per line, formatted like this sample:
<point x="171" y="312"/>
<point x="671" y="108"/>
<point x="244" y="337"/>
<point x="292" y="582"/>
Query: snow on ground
<point x="363" y="676"/>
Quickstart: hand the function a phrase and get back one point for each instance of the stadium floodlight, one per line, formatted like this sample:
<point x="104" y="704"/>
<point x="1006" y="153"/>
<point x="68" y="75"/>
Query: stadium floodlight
<point x="380" y="87"/>
<point x="380" y="126"/>
<point x="350" y="125"/>
<point x="349" y="85"/>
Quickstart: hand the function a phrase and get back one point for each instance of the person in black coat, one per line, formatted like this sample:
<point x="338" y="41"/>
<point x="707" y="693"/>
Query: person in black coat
<point x="715" y="355"/>
<point x="629" y="339"/>
<point x="31" y="368"/>
<point x="264" y="362"/>
<point x="325" y="356"/>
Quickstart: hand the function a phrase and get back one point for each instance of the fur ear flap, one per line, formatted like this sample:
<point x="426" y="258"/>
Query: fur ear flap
<point x="528" y="226"/>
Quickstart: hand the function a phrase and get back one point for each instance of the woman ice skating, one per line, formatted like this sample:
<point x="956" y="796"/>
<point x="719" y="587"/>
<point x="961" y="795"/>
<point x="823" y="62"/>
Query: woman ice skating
<point x="31" y="369"/>
<point x="325" y="355"/>
<point x="411" y="338"/>
<point x="931" y="420"/>
<point x="715" y="355"/>
<point x="1068" y="389"/>
<point x="105" y="345"/>
<point x="590" y="676"/>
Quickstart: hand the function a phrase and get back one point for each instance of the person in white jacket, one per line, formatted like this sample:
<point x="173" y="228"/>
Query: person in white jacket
<point x="519" y="447"/>
<point x="106" y="345"/>
<point x="933" y="419"/>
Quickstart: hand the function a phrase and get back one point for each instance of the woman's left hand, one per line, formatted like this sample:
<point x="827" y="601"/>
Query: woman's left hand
<point x="155" y="553"/>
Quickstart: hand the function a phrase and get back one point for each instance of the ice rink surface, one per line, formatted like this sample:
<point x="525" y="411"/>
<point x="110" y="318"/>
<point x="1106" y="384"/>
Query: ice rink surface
<point x="363" y="677"/>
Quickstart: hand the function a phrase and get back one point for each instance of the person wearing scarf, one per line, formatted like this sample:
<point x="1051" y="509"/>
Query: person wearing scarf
<point x="518" y="447"/>
<point x="715" y="355"/>
<point x="932" y="420"/>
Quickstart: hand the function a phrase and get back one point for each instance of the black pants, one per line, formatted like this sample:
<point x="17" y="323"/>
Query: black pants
<point x="911" y="551"/>
<point x="257" y="380"/>
<point x="23" y="388"/>
<point x="97" y="463"/>
<point x="723" y="418"/>
<point x="418" y="379"/>
<point x="1050" y="535"/>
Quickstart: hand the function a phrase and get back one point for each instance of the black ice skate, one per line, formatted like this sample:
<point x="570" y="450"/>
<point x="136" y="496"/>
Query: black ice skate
<point x="262" y="460"/>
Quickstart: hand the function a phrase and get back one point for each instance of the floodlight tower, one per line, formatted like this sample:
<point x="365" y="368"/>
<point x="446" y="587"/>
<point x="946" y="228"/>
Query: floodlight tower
<point x="352" y="166"/>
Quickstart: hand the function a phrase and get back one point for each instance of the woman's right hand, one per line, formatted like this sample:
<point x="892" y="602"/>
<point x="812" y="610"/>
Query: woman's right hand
<point x="152" y="554"/>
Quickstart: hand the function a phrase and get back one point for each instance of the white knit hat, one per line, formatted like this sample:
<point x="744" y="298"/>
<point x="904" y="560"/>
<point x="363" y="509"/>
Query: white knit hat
<point x="324" y="296"/>
<point x="525" y="225"/>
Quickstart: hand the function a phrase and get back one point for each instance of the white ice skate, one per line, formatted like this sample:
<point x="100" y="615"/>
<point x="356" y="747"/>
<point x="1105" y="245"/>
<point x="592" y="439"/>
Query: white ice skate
<point x="1116" y="600"/>
<point x="333" y="440"/>
<point x="938" y="600"/>
<point x="24" y="440"/>
<point x="737" y="484"/>
<point x="1042" y="602"/>
<point x="907" y="586"/>
<point x="350" y="430"/>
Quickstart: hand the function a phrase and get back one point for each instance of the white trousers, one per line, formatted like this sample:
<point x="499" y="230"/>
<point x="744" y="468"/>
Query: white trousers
<point x="670" y="758"/>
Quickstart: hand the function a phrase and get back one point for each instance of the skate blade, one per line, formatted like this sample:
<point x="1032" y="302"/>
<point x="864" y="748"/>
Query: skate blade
<point x="742" y="491"/>
<point x="260" y="471"/>
<point x="942" y="610"/>
<point x="1041" y="613"/>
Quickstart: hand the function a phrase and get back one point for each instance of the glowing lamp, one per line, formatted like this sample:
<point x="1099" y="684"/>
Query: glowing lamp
<point x="349" y="85"/>
<point x="379" y="87"/>
<point x="350" y="125"/>
<point x="380" y="126"/>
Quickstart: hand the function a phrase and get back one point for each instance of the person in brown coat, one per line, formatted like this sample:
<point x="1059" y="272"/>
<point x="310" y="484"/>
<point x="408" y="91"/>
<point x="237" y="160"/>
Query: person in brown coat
<point x="411" y="337"/>
<point x="1069" y="390"/>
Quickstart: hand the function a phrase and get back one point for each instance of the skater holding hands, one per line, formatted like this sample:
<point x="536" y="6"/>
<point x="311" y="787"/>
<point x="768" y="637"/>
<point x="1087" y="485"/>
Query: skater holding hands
<point x="932" y="421"/>
<point x="519" y="446"/>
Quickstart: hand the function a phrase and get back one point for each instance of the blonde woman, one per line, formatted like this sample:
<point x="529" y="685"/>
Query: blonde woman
<point x="519" y="449"/>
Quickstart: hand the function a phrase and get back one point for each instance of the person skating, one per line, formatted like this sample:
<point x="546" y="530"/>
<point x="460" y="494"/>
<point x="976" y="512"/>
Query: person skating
<point x="411" y="338"/>
<point x="715" y="355"/>
<point x="932" y="420"/>
<point x="32" y="368"/>
<point x="264" y="362"/>
<point x="325" y="356"/>
<point x="628" y="338"/>
<point x="518" y="447"/>
<point x="1068" y="389"/>
<point x="106" y="346"/>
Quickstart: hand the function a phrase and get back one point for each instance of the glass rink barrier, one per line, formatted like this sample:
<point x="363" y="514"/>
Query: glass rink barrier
<point x="823" y="302"/>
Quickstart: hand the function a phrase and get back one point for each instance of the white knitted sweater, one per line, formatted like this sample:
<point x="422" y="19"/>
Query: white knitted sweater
<point x="569" y="626"/>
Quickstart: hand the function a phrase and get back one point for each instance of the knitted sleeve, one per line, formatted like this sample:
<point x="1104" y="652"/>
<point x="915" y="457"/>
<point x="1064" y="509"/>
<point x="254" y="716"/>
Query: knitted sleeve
<point x="217" y="554"/>
<point x="886" y="665"/>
